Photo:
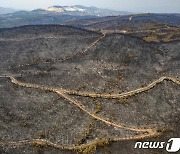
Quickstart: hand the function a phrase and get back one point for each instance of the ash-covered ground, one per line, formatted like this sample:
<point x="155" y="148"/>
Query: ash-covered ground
<point x="85" y="61"/>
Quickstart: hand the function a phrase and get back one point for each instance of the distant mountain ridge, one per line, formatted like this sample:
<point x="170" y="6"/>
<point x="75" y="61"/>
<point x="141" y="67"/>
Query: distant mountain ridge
<point x="65" y="8"/>
<point x="54" y="15"/>
<point x="6" y="10"/>
<point x="83" y="10"/>
<point x="86" y="17"/>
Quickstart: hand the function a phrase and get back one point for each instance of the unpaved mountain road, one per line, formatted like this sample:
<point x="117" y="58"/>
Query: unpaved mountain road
<point x="144" y="131"/>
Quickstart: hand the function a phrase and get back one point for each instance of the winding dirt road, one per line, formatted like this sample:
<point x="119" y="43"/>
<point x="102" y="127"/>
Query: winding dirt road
<point x="145" y="132"/>
<point x="103" y="34"/>
<point x="94" y="95"/>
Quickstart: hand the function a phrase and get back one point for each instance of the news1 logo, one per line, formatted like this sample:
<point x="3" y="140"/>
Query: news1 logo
<point x="173" y="145"/>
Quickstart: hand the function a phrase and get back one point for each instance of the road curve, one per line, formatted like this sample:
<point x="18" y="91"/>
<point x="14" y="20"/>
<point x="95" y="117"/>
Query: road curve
<point x="145" y="132"/>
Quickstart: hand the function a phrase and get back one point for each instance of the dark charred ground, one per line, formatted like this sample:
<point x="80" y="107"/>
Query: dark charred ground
<point x="115" y="64"/>
<point x="113" y="22"/>
<point x="150" y="27"/>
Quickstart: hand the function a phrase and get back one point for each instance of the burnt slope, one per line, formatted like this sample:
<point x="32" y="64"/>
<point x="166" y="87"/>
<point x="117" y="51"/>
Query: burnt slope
<point x="114" y="64"/>
<point x="129" y="21"/>
<point x="31" y="44"/>
<point x="149" y="27"/>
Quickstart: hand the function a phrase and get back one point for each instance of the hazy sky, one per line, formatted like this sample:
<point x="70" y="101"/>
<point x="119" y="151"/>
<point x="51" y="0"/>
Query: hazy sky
<point x="169" y="6"/>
